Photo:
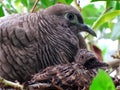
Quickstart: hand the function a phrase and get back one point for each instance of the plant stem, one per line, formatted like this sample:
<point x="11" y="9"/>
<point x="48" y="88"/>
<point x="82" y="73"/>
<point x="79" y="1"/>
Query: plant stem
<point x="34" y="6"/>
<point x="7" y="83"/>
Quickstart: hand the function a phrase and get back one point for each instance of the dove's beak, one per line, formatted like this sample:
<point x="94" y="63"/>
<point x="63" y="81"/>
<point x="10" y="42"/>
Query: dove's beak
<point x="83" y="27"/>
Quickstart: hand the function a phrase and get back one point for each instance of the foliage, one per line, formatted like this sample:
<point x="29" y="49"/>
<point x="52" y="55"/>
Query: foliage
<point x="100" y="15"/>
<point x="99" y="18"/>
<point x="102" y="81"/>
<point x="103" y="16"/>
<point x="19" y="6"/>
<point x="1" y="10"/>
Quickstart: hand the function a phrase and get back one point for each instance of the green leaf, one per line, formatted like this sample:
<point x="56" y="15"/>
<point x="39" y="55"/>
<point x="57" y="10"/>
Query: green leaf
<point x="102" y="81"/>
<point x="89" y="10"/>
<point x="68" y="1"/>
<point x="90" y="13"/>
<point x="9" y="1"/>
<point x="115" y="32"/>
<point x="102" y="0"/>
<point x="62" y="1"/>
<point x="89" y="20"/>
<point x="25" y="2"/>
<point x="118" y="5"/>
<point x="47" y="3"/>
<point x="110" y="3"/>
<point x="103" y="26"/>
<point x="111" y="25"/>
<point x="97" y="0"/>
<point x="105" y="18"/>
<point x="1" y="11"/>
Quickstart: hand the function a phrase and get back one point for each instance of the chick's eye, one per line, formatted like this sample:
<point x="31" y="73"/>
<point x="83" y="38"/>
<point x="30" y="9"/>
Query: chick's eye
<point x="70" y="16"/>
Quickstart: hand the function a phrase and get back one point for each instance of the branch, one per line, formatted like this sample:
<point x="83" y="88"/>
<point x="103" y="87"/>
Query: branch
<point x="34" y="6"/>
<point x="77" y="4"/>
<point x="7" y="83"/>
<point x="114" y="63"/>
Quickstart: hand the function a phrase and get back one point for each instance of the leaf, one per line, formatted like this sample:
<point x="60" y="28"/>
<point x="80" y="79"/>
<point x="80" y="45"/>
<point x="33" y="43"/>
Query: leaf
<point x="101" y="0"/>
<point x="103" y="26"/>
<point x="105" y="18"/>
<point x="1" y="11"/>
<point x="9" y="1"/>
<point x="89" y="10"/>
<point x="110" y="4"/>
<point x="118" y="5"/>
<point x="102" y="81"/>
<point x="97" y="0"/>
<point x="25" y="2"/>
<point x="90" y="13"/>
<point x="47" y="3"/>
<point x="115" y="35"/>
<point x="111" y="25"/>
<point x="62" y="1"/>
<point x="68" y="1"/>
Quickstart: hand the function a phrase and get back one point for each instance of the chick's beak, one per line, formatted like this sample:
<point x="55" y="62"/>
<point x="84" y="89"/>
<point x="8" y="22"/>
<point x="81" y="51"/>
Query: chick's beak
<point x="83" y="27"/>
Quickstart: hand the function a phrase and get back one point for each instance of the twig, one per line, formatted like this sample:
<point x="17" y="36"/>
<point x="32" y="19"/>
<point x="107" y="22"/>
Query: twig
<point x="34" y="6"/>
<point x="77" y="4"/>
<point x="42" y="86"/>
<point x="114" y="63"/>
<point x="7" y="83"/>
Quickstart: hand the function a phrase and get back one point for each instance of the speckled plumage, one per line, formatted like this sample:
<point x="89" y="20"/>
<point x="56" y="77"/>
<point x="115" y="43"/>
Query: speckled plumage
<point x="32" y="41"/>
<point x="77" y="75"/>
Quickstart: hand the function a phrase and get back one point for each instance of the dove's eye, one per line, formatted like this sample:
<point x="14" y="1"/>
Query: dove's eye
<point x="70" y="16"/>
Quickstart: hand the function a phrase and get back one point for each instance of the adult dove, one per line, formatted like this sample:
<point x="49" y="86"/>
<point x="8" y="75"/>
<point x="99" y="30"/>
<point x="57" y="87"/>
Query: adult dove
<point x="30" y="42"/>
